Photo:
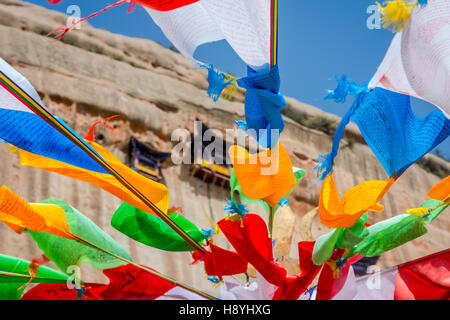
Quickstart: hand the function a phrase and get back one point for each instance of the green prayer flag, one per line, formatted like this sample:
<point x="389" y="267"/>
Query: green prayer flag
<point x="339" y="238"/>
<point x="14" y="274"/>
<point x="396" y="231"/>
<point x="67" y="252"/>
<point x="153" y="231"/>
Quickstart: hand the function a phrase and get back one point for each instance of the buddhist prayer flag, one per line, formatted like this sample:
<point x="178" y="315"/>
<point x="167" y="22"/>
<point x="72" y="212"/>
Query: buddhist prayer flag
<point x="125" y="283"/>
<point x="246" y="25"/>
<point x="250" y="239"/>
<point x="235" y="186"/>
<point x="152" y="231"/>
<point x="427" y="278"/>
<point x="393" y="132"/>
<point x="417" y="62"/>
<point x="46" y="146"/>
<point x="65" y="252"/>
<point x="396" y="136"/>
<point x="398" y="230"/>
<point x="28" y="125"/>
<point x="343" y="213"/>
<point x="154" y="191"/>
<point x="221" y="262"/>
<point x="267" y="175"/>
<point x="20" y="215"/>
<point x="58" y="229"/>
<point x="373" y="240"/>
<point x="23" y="128"/>
<point x="16" y="272"/>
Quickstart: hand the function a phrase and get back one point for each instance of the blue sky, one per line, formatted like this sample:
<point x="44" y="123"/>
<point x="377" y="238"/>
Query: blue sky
<point x="317" y="40"/>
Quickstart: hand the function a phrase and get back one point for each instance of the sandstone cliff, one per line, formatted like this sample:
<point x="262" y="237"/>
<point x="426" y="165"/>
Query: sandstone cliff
<point x="93" y="74"/>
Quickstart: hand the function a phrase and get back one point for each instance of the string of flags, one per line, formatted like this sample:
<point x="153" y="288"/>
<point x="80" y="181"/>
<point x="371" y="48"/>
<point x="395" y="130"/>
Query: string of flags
<point x="416" y="64"/>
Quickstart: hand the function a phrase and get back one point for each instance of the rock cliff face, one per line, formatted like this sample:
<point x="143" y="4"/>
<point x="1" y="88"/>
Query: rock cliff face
<point x="93" y="74"/>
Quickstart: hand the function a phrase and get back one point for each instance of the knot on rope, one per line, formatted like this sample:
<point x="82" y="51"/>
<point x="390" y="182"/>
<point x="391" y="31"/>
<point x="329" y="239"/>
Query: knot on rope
<point x="197" y="256"/>
<point x="177" y="210"/>
<point x="61" y="31"/>
<point x="344" y="88"/>
<point x="284" y="202"/>
<point x="396" y="13"/>
<point x="206" y="234"/>
<point x="217" y="82"/>
<point x="217" y="281"/>
<point x="422" y="3"/>
<point x="238" y="208"/>
<point x="333" y="264"/>
<point x="242" y="125"/>
<point x="341" y="262"/>
<point x="90" y="133"/>
<point x="33" y="269"/>
<point x="80" y="293"/>
<point x="230" y="89"/>
<point x="325" y="166"/>
<point x="235" y="217"/>
<point x="263" y="105"/>
<point x="13" y="149"/>
<point x="422" y="212"/>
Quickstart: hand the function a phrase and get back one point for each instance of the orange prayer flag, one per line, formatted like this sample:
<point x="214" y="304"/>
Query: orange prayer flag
<point x="154" y="191"/>
<point x="337" y="213"/>
<point x="441" y="190"/>
<point x="18" y="215"/>
<point x="267" y="175"/>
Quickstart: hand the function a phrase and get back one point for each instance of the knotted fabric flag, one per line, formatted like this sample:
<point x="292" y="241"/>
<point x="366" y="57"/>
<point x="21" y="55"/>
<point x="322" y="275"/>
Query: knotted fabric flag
<point x="16" y="272"/>
<point x="152" y="231"/>
<point x="221" y="262"/>
<point x="125" y="283"/>
<point x="66" y="252"/>
<point x="65" y="235"/>
<point x="154" y="191"/>
<point x="395" y="135"/>
<point x="250" y="239"/>
<point x="426" y="278"/>
<point x="267" y="175"/>
<point x="246" y="25"/>
<point x="418" y="61"/>
<point x="235" y="186"/>
<point x="263" y="104"/>
<point x="344" y="213"/>
<point x="20" y="215"/>
<point x="28" y="125"/>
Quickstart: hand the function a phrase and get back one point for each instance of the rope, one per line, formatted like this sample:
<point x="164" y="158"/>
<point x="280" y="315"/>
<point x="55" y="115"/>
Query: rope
<point x="61" y="31"/>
